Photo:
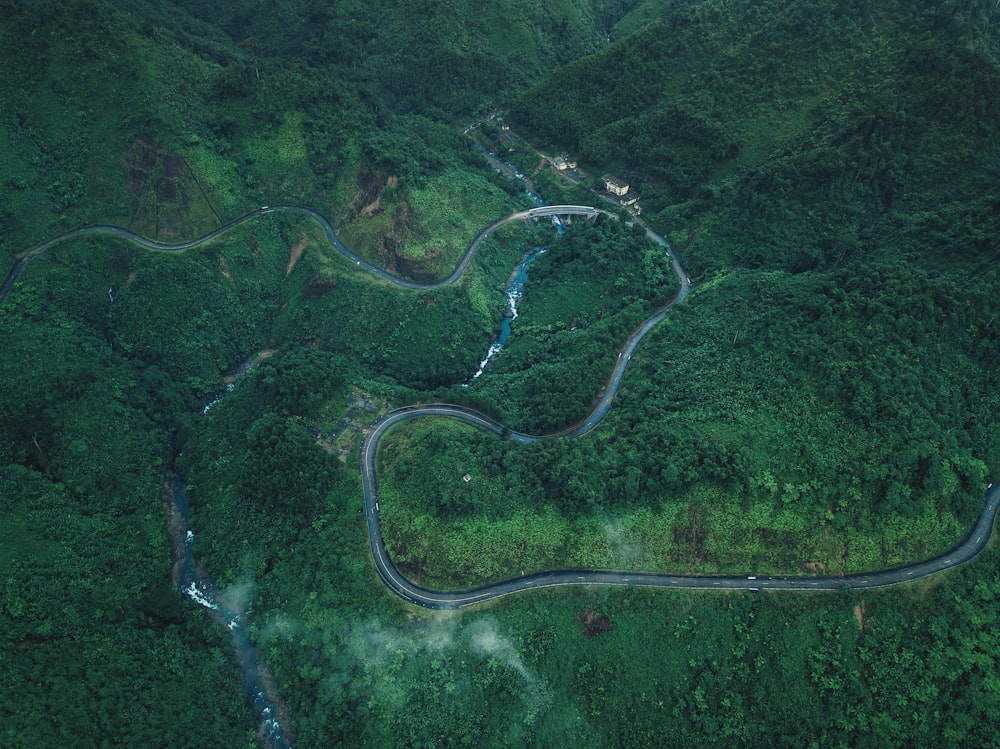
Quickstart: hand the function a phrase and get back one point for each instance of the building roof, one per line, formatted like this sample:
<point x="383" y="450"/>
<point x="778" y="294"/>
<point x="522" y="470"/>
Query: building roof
<point x="614" y="182"/>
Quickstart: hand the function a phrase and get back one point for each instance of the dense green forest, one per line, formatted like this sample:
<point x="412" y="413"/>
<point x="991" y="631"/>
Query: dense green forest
<point x="794" y="137"/>
<point x="585" y="294"/>
<point x="821" y="403"/>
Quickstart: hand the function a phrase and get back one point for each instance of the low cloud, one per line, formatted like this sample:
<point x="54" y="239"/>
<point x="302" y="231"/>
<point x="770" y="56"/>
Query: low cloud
<point x="618" y="535"/>
<point x="380" y="664"/>
<point x="237" y="597"/>
<point x="485" y="638"/>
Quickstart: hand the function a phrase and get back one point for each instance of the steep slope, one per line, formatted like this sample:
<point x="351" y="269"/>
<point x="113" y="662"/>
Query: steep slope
<point x="789" y="135"/>
<point x="824" y="400"/>
<point x="437" y="57"/>
<point x="171" y="117"/>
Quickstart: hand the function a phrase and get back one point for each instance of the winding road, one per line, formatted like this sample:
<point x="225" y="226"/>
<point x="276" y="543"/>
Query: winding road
<point x="972" y="545"/>
<point x="557" y="210"/>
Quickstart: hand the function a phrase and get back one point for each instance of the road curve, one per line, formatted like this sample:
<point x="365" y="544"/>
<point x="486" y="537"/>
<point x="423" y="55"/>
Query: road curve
<point x="974" y="542"/>
<point x="151" y="244"/>
<point x="972" y="545"/>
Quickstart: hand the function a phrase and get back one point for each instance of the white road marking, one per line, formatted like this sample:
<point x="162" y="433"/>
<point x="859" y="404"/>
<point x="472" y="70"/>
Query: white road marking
<point x="409" y="591"/>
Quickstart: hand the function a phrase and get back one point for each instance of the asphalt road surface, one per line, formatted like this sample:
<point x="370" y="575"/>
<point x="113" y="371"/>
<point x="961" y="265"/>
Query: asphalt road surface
<point x="974" y="543"/>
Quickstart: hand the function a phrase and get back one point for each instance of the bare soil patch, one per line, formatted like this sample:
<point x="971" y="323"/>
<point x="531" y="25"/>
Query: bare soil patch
<point x="226" y="270"/>
<point x="593" y="624"/>
<point x="295" y="253"/>
<point x="386" y="224"/>
<point x="859" y="615"/>
<point x="370" y="187"/>
<point x="341" y="438"/>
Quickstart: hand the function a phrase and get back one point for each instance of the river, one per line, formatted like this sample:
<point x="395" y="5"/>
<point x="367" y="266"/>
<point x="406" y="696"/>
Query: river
<point x="516" y="283"/>
<point x="195" y="584"/>
<point x="513" y="293"/>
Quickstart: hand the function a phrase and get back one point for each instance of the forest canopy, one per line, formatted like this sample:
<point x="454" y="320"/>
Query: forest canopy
<point x="823" y="402"/>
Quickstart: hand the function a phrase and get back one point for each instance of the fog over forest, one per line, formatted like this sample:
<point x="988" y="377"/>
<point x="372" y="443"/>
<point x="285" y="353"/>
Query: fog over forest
<point x="275" y="196"/>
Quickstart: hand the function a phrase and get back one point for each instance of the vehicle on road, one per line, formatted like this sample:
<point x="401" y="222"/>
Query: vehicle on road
<point x="453" y="599"/>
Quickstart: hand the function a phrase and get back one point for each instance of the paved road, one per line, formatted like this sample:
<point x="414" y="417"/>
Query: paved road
<point x="974" y="543"/>
<point x="151" y="244"/>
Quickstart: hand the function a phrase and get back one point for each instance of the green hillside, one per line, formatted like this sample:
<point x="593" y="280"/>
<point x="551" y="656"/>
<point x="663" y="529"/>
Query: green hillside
<point x="823" y="402"/>
<point x="440" y="59"/>
<point x="828" y="172"/>
<point x="172" y="118"/>
<point x="794" y="135"/>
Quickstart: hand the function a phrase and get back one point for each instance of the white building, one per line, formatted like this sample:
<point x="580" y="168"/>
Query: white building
<point x="614" y="185"/>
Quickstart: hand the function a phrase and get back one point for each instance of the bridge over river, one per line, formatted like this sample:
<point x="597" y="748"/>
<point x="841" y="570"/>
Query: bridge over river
<point x="974" y="542"/>
<point x="564" y="213"/>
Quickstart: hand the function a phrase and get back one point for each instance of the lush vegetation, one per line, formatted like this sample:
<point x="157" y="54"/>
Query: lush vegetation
<point x="585" y="294"/>
<point x="97" y="641"/>
<point x="794" y="137"/>
<point x="436" y="59"/>
<point x="821" y="403"/>
<point x="172" y="126"/>
<point x="757" y="467"/>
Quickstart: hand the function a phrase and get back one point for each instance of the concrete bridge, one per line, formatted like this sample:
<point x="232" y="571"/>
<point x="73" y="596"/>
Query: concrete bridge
<point x="562" y="212"/>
